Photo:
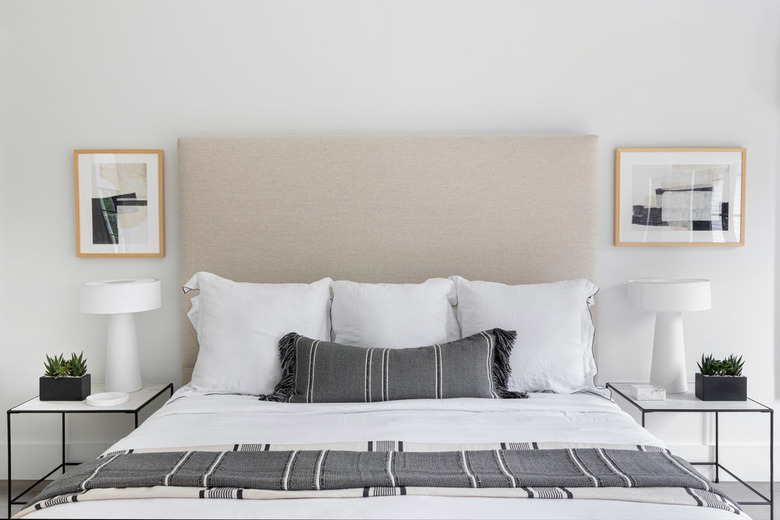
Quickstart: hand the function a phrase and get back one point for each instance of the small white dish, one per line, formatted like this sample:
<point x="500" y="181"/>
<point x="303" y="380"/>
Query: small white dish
<point x="108" y="398"/>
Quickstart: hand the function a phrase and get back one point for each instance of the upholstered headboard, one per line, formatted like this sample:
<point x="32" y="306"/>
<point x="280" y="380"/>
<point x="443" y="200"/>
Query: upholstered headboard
<point x="514" y="209"/>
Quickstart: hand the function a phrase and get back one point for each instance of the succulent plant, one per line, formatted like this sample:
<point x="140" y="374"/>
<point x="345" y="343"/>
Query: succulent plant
<point x="54" y="366"/>
<point x="58" y="366"/>
<point x="730" y="366"/>
<point x="77" y="365"/>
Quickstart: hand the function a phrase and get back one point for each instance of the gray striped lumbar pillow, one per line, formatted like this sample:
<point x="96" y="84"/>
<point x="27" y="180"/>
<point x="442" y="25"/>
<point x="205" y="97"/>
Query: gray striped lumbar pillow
<point x="321" y="372"/>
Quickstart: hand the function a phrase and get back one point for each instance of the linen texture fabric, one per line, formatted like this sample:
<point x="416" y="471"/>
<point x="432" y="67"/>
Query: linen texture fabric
<point x="315" y="371"/>
<point x="365" y="198"/>
<point x="554" y="349"/>
<point x="239" y="325"/>
<point x="394" y="315"/>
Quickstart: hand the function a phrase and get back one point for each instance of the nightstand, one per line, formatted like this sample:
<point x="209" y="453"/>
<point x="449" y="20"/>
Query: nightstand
<point x="687" y="403"/>
<point x="137" y="402"/>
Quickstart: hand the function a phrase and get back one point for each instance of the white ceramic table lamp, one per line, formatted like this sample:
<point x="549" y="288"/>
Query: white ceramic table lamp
<point x="120" y="299"/>
<point x="669" y="298"/>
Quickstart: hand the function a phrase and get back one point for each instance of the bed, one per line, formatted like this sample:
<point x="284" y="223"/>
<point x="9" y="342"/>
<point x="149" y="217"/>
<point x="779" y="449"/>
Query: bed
<point x="313" y="264"/>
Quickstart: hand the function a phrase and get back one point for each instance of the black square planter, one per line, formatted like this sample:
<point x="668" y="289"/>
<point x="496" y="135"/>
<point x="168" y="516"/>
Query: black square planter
<point x="721" y="388"/>
<point x="65" y="388"/>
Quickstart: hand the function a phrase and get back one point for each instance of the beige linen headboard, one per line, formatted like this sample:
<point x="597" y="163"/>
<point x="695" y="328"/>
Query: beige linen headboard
<point x="514" y="209"/>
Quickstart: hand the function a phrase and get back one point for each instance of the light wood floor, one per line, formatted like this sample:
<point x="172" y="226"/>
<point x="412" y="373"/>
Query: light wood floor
<point x="733" y="489"/>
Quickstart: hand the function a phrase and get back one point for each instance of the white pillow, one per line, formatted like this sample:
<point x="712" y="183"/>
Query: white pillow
<point x="239" y="326"/>
<point x="554" y="346"/>
<point x="394" y="315"/>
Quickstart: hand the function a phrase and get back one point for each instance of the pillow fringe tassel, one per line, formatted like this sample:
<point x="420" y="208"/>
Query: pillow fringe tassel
<point x="505" y="340"/>
<point x="284" y="389"/>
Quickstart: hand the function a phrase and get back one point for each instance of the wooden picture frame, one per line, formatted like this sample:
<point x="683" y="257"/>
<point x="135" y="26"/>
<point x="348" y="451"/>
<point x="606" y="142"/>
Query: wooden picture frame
<point x="119" y="203"/>
<point x="680" y="196"/>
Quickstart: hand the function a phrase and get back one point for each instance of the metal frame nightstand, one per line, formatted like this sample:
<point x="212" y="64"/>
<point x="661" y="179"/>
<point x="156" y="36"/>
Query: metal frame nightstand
<point x="138" y="401"/>
<point x="687" y="403"/>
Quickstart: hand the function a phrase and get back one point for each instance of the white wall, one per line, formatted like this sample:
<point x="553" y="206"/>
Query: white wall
<point x="139" y="74"/>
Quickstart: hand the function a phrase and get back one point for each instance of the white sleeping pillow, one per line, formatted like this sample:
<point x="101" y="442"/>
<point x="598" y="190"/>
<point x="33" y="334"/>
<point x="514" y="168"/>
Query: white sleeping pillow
<point x="394" y="315"/>
<point x="554" y="346"/>
<point x="239" y="326"/>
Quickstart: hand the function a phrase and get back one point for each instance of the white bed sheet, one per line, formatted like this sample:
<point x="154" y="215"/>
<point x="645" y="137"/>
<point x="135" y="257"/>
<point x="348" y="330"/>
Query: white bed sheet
<point x="193" y="419"/>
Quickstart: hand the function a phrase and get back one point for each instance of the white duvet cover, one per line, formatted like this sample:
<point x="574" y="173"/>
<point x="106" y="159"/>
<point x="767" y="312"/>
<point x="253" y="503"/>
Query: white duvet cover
<point x="194" y="419"/>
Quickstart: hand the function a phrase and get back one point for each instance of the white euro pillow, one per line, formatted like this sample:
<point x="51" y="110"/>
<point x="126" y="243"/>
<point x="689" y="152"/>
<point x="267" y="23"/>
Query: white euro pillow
<point x="554" y="346"/>
<point x="394" y="315"/>
<point x="239" y="326"/>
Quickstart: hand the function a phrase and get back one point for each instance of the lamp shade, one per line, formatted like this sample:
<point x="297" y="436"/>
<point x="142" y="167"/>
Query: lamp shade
<point x="669" y="298"/>
<point x="120" y="299"/>
<point x="669" y="294"/>
<point x="119" y="296"/>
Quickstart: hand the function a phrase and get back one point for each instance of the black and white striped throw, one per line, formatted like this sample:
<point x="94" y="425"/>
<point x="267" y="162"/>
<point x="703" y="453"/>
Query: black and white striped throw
<point x="316" y="371"/>
<point x="261" y="471"/>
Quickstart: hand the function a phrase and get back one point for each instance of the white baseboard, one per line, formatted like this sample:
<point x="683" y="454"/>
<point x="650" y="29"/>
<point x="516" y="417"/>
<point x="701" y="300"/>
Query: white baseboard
<point x="750" y="462"/>
<point x="31" y="461"/>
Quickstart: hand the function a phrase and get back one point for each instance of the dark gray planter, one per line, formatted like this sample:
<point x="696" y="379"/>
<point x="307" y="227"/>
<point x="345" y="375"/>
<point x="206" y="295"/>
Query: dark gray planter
<point x="721" y="388"/>
<point x="65" y="388"/>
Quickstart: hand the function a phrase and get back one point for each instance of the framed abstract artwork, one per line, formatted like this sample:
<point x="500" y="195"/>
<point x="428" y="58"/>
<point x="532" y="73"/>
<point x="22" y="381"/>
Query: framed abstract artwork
<point x="119" y="203"/>
<point x="680" y="197"/>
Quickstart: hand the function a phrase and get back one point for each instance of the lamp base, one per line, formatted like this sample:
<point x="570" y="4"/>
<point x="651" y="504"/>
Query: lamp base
<point x="668" y="368"/>
<point x="123" y="368"/>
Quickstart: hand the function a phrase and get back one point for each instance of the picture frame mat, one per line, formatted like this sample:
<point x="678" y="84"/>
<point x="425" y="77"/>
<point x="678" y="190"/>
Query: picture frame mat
<point x="83" y="162"/>
<point x="626" y="158"/>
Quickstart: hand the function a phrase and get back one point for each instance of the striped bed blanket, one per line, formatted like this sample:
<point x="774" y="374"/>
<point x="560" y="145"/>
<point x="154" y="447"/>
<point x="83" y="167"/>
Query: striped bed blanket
<point x="367" y="469"/>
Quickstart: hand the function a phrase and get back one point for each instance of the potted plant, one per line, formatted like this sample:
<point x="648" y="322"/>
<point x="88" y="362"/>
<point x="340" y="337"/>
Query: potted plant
<point x="721" y="379"/>
<point x="65" y="379"/>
